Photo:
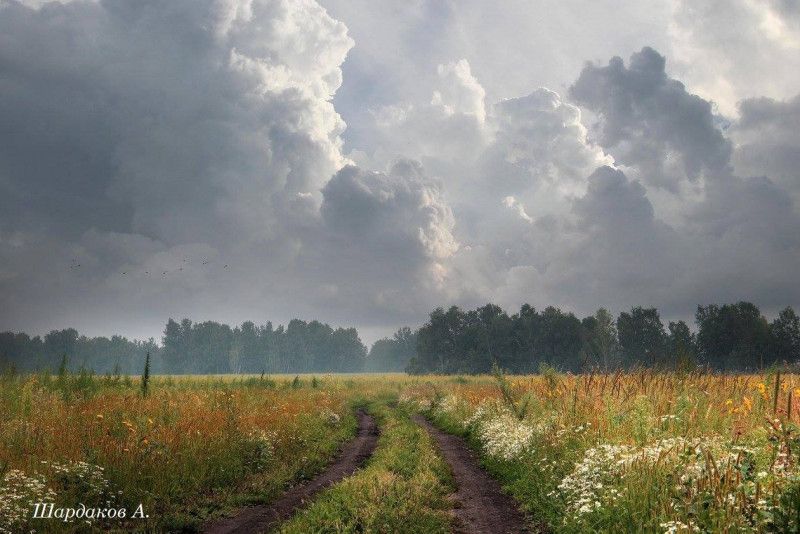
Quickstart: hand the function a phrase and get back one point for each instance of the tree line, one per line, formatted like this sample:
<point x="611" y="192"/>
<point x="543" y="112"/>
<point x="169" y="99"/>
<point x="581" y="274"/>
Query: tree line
<point x="101" y="354"/>
<point x="300" y="347"/>
<point x="197" y="348"/>
<point x="730" y="337"/>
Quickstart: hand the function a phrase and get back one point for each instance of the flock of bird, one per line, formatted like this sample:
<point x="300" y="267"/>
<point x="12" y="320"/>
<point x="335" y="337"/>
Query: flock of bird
<point x="76" y="265"/>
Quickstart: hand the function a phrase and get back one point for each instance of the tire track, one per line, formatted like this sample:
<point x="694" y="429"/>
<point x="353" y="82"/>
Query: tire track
<point x="483" y="507"/>
<point x="263" y="518"/>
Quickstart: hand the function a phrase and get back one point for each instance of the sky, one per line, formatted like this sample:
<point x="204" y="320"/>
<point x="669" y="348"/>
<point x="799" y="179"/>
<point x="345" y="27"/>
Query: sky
<point x="362" y="162"/>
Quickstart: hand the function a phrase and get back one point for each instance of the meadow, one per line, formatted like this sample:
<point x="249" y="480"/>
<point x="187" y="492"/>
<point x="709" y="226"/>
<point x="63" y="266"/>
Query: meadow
<point x="641" y="451"/>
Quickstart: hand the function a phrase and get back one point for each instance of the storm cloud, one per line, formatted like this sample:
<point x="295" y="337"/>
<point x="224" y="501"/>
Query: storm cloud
<point x="235" y="160"/>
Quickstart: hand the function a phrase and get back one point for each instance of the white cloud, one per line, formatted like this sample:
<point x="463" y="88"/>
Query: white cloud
<point x="728" y="50"/>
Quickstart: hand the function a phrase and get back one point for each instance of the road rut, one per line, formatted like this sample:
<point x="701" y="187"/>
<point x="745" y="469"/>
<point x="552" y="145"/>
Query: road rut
<point x="263" y="518"/>
<point x="483" y="507"/>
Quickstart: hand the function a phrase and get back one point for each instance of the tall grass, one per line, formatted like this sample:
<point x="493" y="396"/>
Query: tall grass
<point x="192" y="447"/>
<point x="639" y="451"/>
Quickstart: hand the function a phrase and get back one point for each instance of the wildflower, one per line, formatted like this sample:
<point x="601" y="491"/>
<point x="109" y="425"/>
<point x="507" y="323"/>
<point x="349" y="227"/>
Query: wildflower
<point x="505" y="436"/>
<point x="676" y="527"/>
<point x="18" y="494"/>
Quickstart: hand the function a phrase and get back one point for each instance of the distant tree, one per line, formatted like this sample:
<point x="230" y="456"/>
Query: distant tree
<point x="601" y="345"/>
<point x="734" y="336"/>
<point x="146" y="376"/>
<point x="525" y="335"/>
<point x="393" y="354"/>
<point x="249" y="358"/>
<point x="438" y="343"/>
<point x="785" y="330"/>
<point x="641" y="336"/>
<point x="173" y="350"/>
<point x="559" y="341"/>
<point x="61" y="342"/>
<point x="681" y="344"/>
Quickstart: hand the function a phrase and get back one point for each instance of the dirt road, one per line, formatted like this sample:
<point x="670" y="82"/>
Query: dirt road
<point x="263" y="518"/>
<point x="482" y="506"/>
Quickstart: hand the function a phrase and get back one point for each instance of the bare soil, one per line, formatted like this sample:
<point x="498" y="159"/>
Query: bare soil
<point x="264" y="518"/>
<point x="481" y="505"/>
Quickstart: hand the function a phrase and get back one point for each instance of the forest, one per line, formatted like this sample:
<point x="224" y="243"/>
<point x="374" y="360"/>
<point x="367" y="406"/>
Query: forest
<point x="194" y="348"/>
<point x="729" y="337"/>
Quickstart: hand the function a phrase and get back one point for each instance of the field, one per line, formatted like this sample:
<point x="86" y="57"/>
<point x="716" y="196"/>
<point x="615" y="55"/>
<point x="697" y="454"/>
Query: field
<point x="625" y="452"/>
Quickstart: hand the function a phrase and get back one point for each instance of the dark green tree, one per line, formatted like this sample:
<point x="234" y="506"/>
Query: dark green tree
<point x="785" y="330"/>
<point x="601" y="347"/>
<point x="734" y="336"/>
<point x="641" y="336"/>
<point x="146" y="376"/>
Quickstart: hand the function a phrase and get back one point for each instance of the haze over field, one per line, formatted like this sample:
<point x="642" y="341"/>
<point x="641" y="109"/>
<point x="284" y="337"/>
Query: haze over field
<point x="363" y="162"/>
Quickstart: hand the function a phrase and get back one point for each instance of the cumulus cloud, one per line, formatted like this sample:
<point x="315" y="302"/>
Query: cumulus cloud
<point x="650" y="121"/>
<point x="604" y="239"/>
<point x="541" y="144"/>
<point x="197" y="130"/>
<point x="188" y="158"/>
<point x="449" y="127"/>
<point x="383" y="242"/>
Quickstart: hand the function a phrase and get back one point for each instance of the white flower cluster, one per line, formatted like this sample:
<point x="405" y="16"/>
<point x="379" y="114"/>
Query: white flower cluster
<point x="679" y="527"/>
<point x="589" y="486"/>
<point x="452" y="406"/>
<point x="448" y="404"/>
<point x="504" y="436"/>
<point x="19" y="493"/>
<point x="261" y="448"/>
<point x="330" y="416"/>
<point x="415" y="401"/>
<point x="89" y="478"/>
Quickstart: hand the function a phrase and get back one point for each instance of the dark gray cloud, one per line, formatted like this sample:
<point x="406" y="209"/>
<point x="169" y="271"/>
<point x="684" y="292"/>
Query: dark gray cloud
<point x="198" y="130"/>
<point x="767" y="141"/>
<point x="382" y="245"/>
<point x="185" y="158"/>
<point x="648" y="119"/>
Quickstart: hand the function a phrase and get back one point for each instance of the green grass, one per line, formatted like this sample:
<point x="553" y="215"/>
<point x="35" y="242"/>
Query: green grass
<point x="403" y="488"/>
<point x="320" y="444"/>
